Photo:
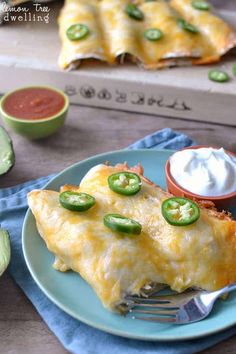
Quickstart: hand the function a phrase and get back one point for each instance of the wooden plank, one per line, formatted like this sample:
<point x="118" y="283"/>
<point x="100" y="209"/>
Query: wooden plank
<point x="89" y="131"/>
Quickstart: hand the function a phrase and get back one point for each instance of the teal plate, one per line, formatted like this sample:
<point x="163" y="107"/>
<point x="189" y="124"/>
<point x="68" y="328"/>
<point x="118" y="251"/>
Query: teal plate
<point x="74" y="296"/>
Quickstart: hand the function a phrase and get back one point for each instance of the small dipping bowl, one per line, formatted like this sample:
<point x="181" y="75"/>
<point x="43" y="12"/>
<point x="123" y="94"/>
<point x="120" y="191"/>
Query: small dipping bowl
<point x="31" y="127"/>
<point x="225" y="201"/>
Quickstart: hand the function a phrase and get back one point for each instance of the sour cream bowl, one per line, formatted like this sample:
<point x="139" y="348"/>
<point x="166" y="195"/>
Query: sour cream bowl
<point x="178" y="188"/>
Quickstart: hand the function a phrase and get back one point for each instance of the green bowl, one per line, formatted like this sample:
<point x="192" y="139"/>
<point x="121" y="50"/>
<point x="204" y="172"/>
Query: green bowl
<point x="39" y="128"/>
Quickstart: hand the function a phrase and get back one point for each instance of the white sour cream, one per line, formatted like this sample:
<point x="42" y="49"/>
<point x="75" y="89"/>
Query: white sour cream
<point x="204" y="171"/>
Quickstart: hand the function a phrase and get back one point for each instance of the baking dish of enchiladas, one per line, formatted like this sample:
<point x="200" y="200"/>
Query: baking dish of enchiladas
<point x="154" y="34"/>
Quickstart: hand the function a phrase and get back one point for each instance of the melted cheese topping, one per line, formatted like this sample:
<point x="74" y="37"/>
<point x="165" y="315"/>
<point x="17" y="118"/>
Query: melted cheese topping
<point x="114" y="34"/>
<point x="87" y="13"/>
<point x="200" y="255"/>
<point x="219" y="34"/>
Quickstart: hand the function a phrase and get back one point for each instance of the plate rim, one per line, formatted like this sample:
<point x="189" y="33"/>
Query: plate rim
<point x="83" y="319"/>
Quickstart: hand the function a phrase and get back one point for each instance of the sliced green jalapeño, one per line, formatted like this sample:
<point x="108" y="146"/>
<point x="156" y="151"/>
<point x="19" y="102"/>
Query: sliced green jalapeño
<point x="187" y="26"/>
<point x="218" y="76"/>
<point x="200" y="5"/>
<point x="77" y="32"/>
<point x="180" y="211"/>
<point x="126" y="183"/>
<point x="76" y="201"/>
<point x="153" y="34"/>
<point x="234" y="69"/>
<point x="117" y="222"/>
<point x="134" y="12"/>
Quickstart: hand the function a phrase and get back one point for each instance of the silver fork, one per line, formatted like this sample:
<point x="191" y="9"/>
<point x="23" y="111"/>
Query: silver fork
<point x="182" y="308"/>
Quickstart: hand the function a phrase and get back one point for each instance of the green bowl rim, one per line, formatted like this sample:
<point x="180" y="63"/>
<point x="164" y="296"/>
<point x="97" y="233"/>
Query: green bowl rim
<point x="41" y="120"/>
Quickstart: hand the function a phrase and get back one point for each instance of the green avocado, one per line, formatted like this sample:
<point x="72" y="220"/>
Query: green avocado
<point x="5" y="250"/>
<point x="7" y="156"/>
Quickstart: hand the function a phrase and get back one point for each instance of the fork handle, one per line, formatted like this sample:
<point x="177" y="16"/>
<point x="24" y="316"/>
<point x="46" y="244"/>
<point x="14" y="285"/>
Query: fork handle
<point x="229" y="288"/>
<point x="226" y="289"/>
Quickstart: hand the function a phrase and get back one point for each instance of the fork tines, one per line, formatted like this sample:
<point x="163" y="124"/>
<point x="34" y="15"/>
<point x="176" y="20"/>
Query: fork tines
<point x="162" y="308"/>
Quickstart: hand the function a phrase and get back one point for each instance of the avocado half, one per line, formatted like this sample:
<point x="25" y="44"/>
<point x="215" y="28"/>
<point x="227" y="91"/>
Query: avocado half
<point x="5" y="250"/>
<point x="7" y="156"/>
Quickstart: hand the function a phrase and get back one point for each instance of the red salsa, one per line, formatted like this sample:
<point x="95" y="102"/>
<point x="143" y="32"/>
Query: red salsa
<point x="34" y="103"/>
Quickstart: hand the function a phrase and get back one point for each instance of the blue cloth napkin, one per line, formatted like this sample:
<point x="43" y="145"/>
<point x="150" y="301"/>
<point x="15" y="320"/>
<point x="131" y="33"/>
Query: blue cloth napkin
<point x="75" y="336"/>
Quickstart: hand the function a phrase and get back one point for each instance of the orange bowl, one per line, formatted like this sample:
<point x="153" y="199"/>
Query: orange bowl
<point x="225" y="201"/>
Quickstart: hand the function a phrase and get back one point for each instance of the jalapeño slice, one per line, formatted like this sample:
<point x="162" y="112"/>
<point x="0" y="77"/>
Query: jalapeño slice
<point x="187" y="26"/>
<point x="126" y="183"/>
<point x="76" y="201"/>
<point x="180" y="211"/>
<point x="218" y="76"/>
<point x="153" y="34"/>
<point x="234" y="69"/>
<point x="77" y="32"/>
<point x="117" y="222"/>
<point x="134" y="12"/>
<point x="200" y="5"/>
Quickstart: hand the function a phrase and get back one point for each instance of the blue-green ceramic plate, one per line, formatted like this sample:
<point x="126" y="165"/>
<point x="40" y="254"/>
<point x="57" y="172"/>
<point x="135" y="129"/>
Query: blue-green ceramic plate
<point x="74" y="296"/>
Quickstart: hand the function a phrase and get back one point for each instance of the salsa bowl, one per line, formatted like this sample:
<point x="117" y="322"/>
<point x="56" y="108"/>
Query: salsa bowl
<point x="35" y="128"/>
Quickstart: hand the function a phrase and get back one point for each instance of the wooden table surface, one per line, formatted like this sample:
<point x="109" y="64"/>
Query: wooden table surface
<point x="87" y="131"/>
